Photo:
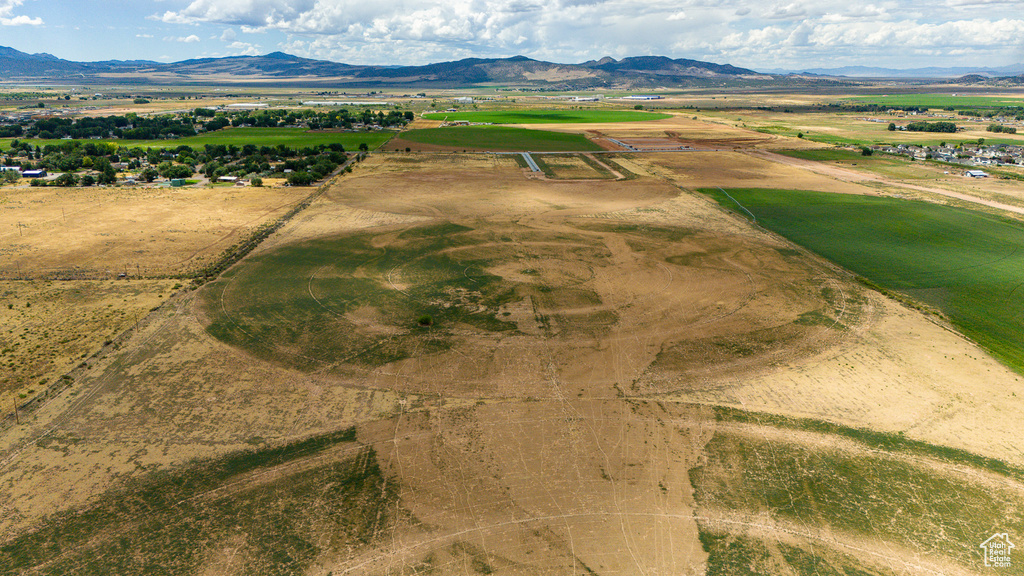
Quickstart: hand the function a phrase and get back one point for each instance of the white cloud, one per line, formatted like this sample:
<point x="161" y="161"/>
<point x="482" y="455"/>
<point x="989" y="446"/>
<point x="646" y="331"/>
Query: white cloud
<point x="7" y="7"/>
<point x="744" y="32"/>
<point x="244" y="49"/>
<point x="190" y="39"/>
<point x="143" y="35"/>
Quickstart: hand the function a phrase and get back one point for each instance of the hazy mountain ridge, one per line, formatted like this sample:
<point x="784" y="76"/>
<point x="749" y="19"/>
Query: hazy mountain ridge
<point x="631" y="72"/>
<point x="929" y="72"/>
<point x="635" y="71"/>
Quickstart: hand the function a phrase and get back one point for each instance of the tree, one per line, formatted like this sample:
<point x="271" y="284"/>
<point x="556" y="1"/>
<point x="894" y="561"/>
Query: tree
<point x="363" y="147"/>
<point x="66" y="180"/>
<point x="149" y="174"/>
<point x="88" y="180"/>
<point x="892" y="127"/>
<point x="865" y="151"/>
<point x="256" y="181"/>
<point x="11" y="176"/>
<point x="300" y="179"/>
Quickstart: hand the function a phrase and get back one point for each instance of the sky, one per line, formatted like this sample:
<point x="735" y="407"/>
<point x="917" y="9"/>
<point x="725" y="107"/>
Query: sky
<point x="761" y="34"/>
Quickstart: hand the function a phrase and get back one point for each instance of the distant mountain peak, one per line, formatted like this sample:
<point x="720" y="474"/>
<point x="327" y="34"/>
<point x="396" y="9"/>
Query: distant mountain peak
<point x="281" y="56"/>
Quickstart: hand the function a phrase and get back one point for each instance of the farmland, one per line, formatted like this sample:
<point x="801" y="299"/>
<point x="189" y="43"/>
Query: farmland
<point x="443" y="363"/>
<point x="497" y="138"/>
<point x="963" y="263"/>
<point x="958" y="101"/>
<point x="533" y="116"/>
<point x="853" y="128"/>
<point x="48" y="232"/>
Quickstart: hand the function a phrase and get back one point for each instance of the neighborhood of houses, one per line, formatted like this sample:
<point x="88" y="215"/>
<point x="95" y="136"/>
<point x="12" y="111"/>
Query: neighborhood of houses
<point x="965" y="155"/>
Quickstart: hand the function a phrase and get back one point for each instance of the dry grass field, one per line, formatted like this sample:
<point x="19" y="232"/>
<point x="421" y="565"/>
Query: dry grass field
<point x="444" y="366"/>
<point x="102" y="232"/>
<point x="49" y="328"/>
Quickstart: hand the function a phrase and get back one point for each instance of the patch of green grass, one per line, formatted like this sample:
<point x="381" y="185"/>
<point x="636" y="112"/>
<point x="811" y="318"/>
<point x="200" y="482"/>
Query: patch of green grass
<point x="172" y="522"/>
<point x="874" y="439"/>
<point x="501" y="139"/>
<point x="967" y="264"/>
<point x="290" y="137"/>
<point x="733" y="555"/>
<point x="547" y="116"/>
<point x="873" y="495"/>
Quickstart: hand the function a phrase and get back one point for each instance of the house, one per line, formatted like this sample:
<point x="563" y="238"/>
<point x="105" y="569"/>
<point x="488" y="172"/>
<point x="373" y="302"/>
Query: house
<point x="227" y="179"/>
<point x="10" y="169"/>
<point x="976" y="174"/>
<point x="34" y="174"/>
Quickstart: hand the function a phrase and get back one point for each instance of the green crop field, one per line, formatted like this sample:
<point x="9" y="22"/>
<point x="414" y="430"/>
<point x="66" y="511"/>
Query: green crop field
<point x="939" y="100"/>
<point x="290" y="137"/>
<point x="502" y="138"/>
<point x="967" y="264"/>
<point x="547" y="116"/>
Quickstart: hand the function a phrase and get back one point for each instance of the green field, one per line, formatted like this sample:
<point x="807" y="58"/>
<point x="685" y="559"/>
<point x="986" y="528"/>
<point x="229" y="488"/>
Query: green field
<point x="939" y="100"/>
<point x="967" y="264"/>
<point x="500" y="138"/>
<point x="547" y="116"/>
<point x="290" y="137"/>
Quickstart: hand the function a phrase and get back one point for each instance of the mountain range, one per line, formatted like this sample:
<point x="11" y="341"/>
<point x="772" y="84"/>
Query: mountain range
<point x="931" y="72"/>
<point x="277" y="66"/>
<point x="281" y="68"/>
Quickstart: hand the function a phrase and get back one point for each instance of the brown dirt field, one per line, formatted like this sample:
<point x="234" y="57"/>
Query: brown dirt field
<point x="100" y="232"/>
<point x="701" y="134"/>
<point x="555" y="449"/>
<point x="735" y="169"/>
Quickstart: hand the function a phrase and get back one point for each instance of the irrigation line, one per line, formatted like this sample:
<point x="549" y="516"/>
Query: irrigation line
<point x="738" y="204"/>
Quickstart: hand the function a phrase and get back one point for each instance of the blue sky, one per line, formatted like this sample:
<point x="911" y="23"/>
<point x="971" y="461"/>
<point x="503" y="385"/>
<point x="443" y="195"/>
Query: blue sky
<point x="754" y="34"/>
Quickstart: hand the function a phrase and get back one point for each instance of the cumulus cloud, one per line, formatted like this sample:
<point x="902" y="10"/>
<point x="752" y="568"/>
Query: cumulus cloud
<point x="244" y="49"/>
<point x="746" y="32"/>
<point x="7" y="8"/>
<point x="190" y="39"/>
